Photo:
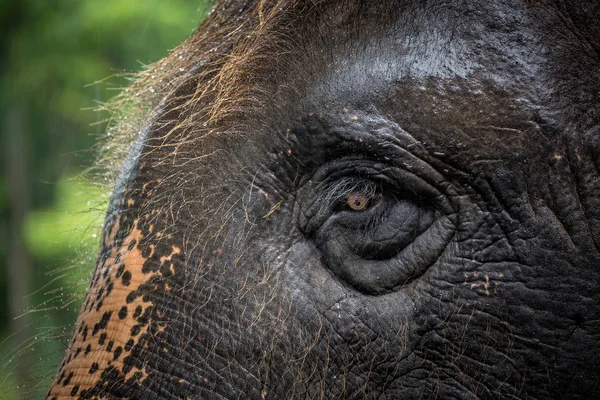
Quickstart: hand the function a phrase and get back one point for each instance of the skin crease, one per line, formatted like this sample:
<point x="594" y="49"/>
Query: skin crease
<point x="233" y="267"/>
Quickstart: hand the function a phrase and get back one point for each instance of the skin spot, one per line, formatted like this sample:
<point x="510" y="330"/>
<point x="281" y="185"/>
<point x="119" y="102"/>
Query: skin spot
<point x="93" y="368"/>
<point x="123" y="312"/>
<point x="117" y="352"/>
<point x="137" y="312"/>
<point x="126" y="278"/>
<point x="66" y="381"/>
<point x="135" y="330"/>
<point x="131" y="245"/>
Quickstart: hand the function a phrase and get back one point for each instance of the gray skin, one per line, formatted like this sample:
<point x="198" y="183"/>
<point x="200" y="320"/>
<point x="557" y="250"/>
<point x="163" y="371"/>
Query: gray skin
<point x="357" y="199"/>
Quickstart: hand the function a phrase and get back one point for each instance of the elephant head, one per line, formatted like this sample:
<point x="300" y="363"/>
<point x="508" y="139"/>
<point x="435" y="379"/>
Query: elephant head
<point x="356" y="199"/>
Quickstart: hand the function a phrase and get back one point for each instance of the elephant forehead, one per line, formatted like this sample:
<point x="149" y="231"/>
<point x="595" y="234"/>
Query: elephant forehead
<point x="115" y="319"/>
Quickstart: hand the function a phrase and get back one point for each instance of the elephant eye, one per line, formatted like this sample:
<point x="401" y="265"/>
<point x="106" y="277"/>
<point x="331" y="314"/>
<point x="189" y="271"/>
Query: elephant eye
<point x="357" y="201"/>
<point x="352" y="195"/>
<point x="377" y="232"/>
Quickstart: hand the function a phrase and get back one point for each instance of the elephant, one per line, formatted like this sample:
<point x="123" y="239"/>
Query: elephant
<point x="353" y="199"/>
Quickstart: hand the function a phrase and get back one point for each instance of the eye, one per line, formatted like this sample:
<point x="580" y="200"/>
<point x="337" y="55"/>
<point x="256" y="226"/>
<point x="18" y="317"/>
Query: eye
<point x="357" y="201"/>
<point x="376" y="233"/>
<point x="351" y="194"/>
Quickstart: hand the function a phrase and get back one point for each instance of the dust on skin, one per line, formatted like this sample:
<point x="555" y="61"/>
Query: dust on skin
<point x="112" y="321"/>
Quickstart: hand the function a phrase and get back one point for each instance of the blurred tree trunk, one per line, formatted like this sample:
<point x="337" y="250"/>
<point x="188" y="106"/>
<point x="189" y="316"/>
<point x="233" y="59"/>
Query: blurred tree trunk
<point x="19" y="261"/>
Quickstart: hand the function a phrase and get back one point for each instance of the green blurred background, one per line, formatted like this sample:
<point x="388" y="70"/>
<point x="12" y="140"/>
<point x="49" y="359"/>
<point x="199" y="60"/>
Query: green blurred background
<point x="59" y="61"/>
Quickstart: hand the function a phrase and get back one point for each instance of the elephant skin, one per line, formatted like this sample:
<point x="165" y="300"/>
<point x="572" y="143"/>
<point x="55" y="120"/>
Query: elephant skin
<point x="355" y="199"/>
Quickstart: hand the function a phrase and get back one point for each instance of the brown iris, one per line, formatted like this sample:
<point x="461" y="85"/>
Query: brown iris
<point x="357" y="201"/>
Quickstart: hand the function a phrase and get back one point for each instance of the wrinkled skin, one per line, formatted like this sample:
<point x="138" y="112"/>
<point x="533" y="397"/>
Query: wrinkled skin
<point x="355" y="199"/>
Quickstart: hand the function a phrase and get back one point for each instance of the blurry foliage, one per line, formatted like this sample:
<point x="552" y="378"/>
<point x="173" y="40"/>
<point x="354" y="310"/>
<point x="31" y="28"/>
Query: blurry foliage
<point x="59" y="60"/>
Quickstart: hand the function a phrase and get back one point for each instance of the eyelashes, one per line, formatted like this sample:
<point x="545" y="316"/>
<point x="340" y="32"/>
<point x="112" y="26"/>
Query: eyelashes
<point x="352" y="194"/>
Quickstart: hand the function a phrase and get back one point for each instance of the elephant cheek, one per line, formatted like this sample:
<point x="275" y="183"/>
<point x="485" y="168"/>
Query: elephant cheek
<point x="114" y="321"/>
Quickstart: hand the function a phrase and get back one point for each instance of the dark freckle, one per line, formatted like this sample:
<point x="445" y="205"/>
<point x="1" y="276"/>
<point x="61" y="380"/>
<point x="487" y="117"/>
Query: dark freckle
<point x="143" y="320"/>
<point x="127" y="364"/>
<point x="94" y="368"/>
<point x="61" y="377"/>
<point x="146" y="267"/>
<point x="99" y="305"/>
<point x="126" y="278"/>
<point x="131" y="245"/>
<point x="135" y="330"/>
<point x="103" y="322"/>
<point x="118" y="258"/>
<point x="85" y="333"/>
<point x="131" y="297"/>
<point x="102" y="338"/>
<point x="66" y="382"/>
<point x="74" y="390"/>
<point x="104" y="258"/>
<point x="120" y="270"/>
<point x="123" y="312"/>
<point x="110" y="345"/>
<point x="137" y="312"/>
<point x="77" y="352"/>
<point x="118" y="352"/>
<point x="109" y="288"/>
<point x="105" y="274"/>
<point x="129" y="345"/>
<point x="88" y="349"/>
<point x="100" y="292"/>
